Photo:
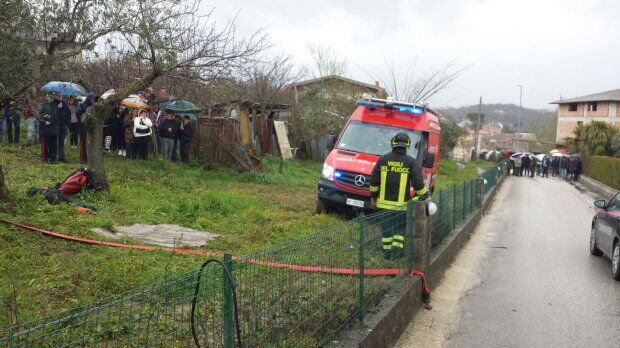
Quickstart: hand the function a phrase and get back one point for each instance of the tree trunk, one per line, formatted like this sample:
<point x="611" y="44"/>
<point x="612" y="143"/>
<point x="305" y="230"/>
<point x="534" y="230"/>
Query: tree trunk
<point x="4" y="192"/>
<point x="94" y="152"/>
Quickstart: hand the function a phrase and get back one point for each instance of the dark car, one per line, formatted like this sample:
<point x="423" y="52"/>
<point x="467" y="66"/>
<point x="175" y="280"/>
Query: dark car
<point x="605" y="235"/>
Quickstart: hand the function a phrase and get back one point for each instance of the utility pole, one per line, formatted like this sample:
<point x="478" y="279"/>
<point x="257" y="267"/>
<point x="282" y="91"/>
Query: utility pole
<point x="477" y="144"/>
<point x="519" y="113"/>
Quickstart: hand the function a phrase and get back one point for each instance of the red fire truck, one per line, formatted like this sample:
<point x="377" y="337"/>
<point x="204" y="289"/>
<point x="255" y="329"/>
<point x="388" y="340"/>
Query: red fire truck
<point x="344" y="183"/>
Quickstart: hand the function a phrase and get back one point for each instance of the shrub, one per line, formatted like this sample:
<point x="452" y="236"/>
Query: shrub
<point x="599" y="151"/>
<point x="604" y="169"/>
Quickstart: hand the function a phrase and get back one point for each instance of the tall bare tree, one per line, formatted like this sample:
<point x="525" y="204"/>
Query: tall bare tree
<point x="265" y="81"/>
<point x="326" y="61"/>
<point x="407" y="85"/>
<point x="168" y="38"/>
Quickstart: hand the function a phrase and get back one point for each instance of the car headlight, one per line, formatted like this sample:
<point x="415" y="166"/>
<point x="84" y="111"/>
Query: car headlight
<point x="328" y="172"/>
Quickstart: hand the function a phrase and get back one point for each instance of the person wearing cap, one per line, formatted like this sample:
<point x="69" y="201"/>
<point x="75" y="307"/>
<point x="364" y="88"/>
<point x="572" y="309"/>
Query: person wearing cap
<point x="392" y="177"/>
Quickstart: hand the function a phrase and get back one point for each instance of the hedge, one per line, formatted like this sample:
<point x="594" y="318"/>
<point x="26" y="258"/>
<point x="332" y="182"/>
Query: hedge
<point x="604" y="169"/>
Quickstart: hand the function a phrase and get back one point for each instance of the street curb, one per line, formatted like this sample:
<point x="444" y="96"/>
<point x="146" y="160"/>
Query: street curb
<point x="597" y="187"/>
<point x="383" y="327"/>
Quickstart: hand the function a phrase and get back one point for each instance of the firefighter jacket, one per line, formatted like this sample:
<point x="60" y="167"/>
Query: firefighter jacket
<point x="392" y="177"/>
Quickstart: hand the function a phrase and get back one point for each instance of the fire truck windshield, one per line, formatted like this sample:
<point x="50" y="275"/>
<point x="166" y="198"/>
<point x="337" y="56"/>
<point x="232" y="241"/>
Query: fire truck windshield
<point x="374" y="139"/>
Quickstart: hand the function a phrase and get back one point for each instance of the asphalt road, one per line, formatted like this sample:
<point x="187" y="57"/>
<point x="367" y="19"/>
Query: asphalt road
<point x="526" y="278"/>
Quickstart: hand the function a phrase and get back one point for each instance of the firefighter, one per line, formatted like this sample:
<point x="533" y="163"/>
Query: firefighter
<point x="390" y="183"/>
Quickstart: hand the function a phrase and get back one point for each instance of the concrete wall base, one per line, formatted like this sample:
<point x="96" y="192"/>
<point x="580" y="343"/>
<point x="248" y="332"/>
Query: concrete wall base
<point x="598" y="187"/>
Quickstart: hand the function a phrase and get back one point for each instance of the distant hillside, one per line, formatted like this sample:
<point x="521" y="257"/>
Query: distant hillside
<point x="505" y="113"/>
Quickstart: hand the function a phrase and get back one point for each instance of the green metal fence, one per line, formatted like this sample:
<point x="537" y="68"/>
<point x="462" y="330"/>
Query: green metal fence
<point x="301" y="294"/>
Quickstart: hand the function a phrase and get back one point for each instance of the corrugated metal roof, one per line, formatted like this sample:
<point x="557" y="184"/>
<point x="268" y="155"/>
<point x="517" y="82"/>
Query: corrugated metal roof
<point x="612" y="95"/>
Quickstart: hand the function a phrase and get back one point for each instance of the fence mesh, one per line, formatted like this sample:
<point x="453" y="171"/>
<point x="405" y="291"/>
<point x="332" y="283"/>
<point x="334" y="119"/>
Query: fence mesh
<point x="300" y="294"/>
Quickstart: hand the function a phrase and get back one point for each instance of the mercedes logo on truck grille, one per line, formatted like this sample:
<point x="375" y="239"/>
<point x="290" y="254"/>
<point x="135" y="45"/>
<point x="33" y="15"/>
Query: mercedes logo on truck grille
<point x="360" y="180"/>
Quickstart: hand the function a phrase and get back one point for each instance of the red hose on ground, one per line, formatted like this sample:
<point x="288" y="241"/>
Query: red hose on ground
<point x="312" y="269"/>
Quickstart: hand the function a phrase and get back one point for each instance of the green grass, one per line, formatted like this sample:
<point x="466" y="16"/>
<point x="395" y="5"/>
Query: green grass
<point x="251" y="212"/>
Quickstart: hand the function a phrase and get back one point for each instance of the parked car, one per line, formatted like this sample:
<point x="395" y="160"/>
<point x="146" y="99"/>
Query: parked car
<point x="605" y="235"/>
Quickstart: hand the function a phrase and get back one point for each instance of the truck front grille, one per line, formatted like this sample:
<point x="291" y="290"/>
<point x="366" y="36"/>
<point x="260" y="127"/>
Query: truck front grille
<point x="351" y="179"/>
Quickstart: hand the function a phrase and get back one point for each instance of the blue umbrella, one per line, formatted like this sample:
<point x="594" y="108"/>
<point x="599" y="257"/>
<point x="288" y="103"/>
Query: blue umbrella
<point x="64" y="88"/>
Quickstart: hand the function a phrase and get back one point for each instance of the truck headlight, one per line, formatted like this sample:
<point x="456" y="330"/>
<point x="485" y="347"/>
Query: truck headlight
<point x="328" y="172"/>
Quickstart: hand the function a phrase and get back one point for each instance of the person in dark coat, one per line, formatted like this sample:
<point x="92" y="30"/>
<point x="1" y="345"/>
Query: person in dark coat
<point x="545" y="167"/>
<point x="82" y="127"/>
<point x="555" y="167"/>
<point x="533" y="164"/>
<point x="525" y="165"/>
<point x="117" y="130"/>
<point x="73" y="124"/>
<point x="563" y="167"/>
<point x="167" y="132"/>
<point x="12" y="119"/>
<point x="63" y="115"/>
<point x="186" y="133"/>
<point x="129" y="137"/>
<point x="576" y="168"/>
<point x="48" y="131"/>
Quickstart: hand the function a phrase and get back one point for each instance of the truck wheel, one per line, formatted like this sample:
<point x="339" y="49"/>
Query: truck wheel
<point x="321" y="207"/>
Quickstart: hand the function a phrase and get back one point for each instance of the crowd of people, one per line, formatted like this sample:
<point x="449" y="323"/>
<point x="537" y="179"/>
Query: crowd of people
<point x="561" y="166"/>
<point x="129" y="132"/>
<point x="133" y="133"/>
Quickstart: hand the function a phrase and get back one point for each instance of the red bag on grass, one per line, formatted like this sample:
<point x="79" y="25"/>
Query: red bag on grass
<point x="75" y="182"/>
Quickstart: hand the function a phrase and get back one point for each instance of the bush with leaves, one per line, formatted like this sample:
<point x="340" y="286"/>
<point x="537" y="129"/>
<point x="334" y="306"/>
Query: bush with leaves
<point x="450" y="134"/>
<point x="595" y="137"/>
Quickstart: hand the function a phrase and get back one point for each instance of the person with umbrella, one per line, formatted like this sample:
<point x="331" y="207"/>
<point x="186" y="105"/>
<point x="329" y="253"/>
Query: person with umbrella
<point x="63" y="115"/>
<point x="167" y="132"/>
<point x="186" y="133"/>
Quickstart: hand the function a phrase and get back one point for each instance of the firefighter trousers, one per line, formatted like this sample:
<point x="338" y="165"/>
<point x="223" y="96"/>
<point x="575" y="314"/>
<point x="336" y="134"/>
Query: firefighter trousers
<point x="393" y="229"/>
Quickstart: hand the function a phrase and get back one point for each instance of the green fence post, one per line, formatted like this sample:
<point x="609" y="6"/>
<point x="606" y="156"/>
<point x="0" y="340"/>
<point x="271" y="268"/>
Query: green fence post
<point x="464" y="204"/>
<point x="362" y="246"/>
<point x="409" y="235"/>
<point x="440" y="217"/>
<point x="454" y="207"/>
<point x="472" y="196"/>
<point x="227" y="308"/>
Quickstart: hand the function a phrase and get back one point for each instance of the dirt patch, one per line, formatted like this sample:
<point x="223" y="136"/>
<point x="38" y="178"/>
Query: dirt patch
<point x="163" y="235"/>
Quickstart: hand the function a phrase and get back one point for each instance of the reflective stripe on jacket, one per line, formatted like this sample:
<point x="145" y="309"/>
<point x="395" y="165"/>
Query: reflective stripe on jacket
<point x="392" y="177"/>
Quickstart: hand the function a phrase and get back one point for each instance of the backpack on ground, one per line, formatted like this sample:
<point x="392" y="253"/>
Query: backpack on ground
<point x="75" y="182"/>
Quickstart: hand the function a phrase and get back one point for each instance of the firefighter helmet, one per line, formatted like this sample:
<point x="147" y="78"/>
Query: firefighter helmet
<point x="401" y="140"/>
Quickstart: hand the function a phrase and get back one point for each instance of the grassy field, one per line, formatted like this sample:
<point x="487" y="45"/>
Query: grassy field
<point x="251" y="212"/>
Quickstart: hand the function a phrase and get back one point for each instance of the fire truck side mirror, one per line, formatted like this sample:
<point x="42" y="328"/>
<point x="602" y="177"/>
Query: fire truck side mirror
<point x="331" y="143"/>
<point x="429" y="160"/>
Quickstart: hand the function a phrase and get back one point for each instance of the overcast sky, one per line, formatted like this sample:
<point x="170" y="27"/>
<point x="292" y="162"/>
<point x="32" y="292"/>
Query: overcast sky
<point x="553" y="48"/>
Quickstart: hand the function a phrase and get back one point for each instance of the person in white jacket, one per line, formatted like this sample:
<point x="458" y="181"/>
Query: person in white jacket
<point x="142" y="129"/>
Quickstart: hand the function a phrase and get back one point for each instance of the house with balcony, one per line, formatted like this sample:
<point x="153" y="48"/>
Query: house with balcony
<point x="577" y="111"/>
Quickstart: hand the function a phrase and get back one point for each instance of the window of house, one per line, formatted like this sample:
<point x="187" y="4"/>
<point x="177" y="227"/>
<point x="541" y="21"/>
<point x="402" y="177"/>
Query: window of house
<point x="572" y="107"/>
<point x="592" y="106"/>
